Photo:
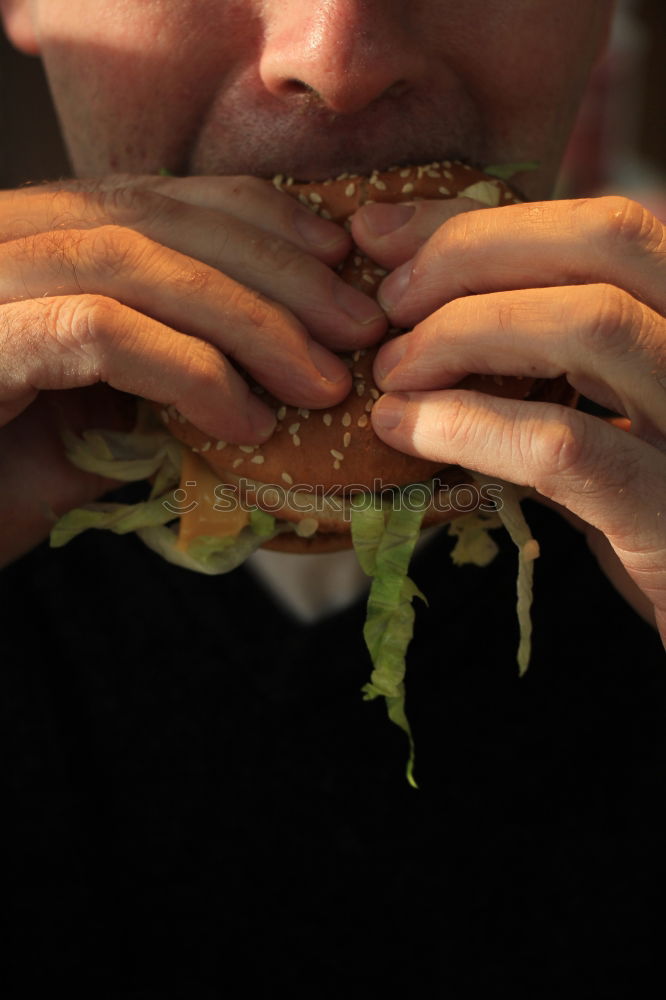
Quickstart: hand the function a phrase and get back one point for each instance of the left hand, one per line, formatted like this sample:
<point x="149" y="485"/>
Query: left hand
<point x="542" y="289"/>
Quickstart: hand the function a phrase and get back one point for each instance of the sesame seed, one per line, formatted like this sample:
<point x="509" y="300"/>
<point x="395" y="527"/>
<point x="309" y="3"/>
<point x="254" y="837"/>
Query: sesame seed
<point x="165" y="416"/>
<point x="380" y="272"/>
<point x="342" y="177"/>
<point x="337" y="454"/>
<point x="448" y="175"/>
<point x="316" y="198"/>
<point x="206" y="446"/>
<point x="350" y="190"/>
<point x="303" y="412"/>
<point x="380" y="185"/>
<point x="281" y="413"/>
<point x="293" y="428"/>
<point x="444" y="190"/>
<point x="290" y="181"/>
<point x="236" y="462"/>
<point x="346" y="419"/>
<point x="303" y="200"/>
<point x="356" y="355"/>
<point x="196" y="450"/>
<point x="406" y="172"/>
<point x="358" y="261"/>
<point x="368" y="277"/>
<point x="407" y="188"/>
<point x="359" y="375"/>
<point x="220" y="445"/>
<point x="286" y="478"/>
<point x="247" y="448"/>
<point x="346" y="439"/>
<point x="374" y="393"/>
<point x="433" y="173"/>
<point x="325" y="214"/>
<point x="369" y="405"/>
<point x="362" y="420"/>
<point x="328" y="419"/>
<point x="295" y="439"/>
<point x="360" y="388"/>
<point x="336" y="464"/>
<point x="257" y="459"/>
<point x="277" y="180"/>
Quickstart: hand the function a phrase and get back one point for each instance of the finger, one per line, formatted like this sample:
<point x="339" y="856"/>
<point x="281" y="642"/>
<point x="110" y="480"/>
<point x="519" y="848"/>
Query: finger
<point x="609" y="346"/>
<point x="601" y="240"/>
<point x="183" y="294"/>
<point x="73" y="341"/>
<point x="338" y="315"/>
<point x="250" y="199"/>
<point x="392" y="234"/>
<point x="610" y="479"/>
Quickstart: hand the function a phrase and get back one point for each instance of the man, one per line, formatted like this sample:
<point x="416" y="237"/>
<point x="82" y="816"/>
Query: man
<point x="149" y="284"/>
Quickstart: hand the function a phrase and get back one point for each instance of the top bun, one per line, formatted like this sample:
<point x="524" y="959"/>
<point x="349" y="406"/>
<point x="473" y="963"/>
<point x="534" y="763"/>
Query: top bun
<point x="336" y="446"/>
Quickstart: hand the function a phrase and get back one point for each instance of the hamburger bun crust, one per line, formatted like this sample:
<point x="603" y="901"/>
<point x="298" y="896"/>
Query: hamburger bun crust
<point x="336" y="448"/>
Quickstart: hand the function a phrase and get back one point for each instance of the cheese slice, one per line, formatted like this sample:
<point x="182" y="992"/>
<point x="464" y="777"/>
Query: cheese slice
<point x="198" y="484"/>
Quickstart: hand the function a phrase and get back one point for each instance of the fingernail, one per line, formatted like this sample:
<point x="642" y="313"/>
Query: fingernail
<point x="315" y="231"/>
<point x="389" y="356"/>
<point x="381" y="219"/>
<point x="262" y="420"/>
<point x="388" y="411"/>
<point x="394" y="287"/>
<point x="357" y="305"/>
<point x="327" y="364"/>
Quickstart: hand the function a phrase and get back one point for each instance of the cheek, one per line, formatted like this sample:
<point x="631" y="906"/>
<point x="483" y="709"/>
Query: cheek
<point x="131" y="84"/>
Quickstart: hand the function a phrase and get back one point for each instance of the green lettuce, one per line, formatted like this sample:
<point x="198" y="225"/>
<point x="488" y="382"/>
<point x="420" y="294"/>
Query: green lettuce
<point x="148" y="452"/>
<point x="384" y="542"/>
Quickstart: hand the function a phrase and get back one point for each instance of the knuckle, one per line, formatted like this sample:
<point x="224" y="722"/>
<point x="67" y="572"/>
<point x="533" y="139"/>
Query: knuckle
<point x="558" y="447"/>
<point x="610" y="314"/>
<point x="624" y="223"/>
<point x="455" y="420"/>
<point x="81" y="325"/>
<point x="132" y="205"/>
<point x="115" y="250"/>
<point x="256" y="310"/>
<point x="275" y="257"/>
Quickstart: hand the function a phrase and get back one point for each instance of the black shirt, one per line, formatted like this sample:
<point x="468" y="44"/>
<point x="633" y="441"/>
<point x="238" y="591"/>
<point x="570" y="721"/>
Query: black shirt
<point x="196" y="791"/>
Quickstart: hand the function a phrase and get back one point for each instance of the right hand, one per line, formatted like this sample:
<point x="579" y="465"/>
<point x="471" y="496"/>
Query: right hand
<point x="156" y="286"/>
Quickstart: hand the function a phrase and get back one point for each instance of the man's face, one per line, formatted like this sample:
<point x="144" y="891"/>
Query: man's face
<point x="310" y="88"/>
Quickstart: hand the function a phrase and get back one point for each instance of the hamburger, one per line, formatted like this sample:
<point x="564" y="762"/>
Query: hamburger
<point x="324" y="481"/>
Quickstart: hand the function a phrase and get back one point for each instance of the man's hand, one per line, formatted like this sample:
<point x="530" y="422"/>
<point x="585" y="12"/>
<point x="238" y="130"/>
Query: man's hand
<point x="159" y="287"/>
<point x="575" y="288"/>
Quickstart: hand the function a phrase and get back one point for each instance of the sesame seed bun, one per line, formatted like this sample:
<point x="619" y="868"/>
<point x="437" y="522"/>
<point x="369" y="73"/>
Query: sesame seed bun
<point x="336" y="449"/>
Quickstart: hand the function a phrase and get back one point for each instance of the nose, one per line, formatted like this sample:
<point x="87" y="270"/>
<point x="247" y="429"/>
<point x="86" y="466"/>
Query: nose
<point x="343" y="54"/>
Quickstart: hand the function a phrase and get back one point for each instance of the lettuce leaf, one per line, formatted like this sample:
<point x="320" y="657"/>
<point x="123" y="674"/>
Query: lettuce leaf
<point x="145" y="452"/>
<point x="384" y="544"/>
<point x="513" y="519"/>
<point x="120" y="518"/>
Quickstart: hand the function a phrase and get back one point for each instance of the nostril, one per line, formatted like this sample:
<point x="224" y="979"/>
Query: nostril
<point x="297" y="87"/>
